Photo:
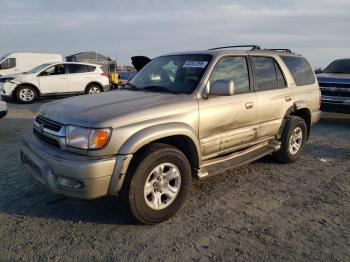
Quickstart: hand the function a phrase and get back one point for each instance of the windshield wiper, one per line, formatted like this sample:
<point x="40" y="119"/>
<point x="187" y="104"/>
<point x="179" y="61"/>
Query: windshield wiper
<point x="159" y="88"/>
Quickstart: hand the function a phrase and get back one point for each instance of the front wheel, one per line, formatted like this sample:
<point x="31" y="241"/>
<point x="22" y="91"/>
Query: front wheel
<point x="158" y="185"/>
<point x="26" y="94"/>
<point x="293" y="140"/>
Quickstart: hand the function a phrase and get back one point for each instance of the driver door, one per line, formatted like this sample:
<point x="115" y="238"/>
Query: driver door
<point x="54" y="80"/>
<point x="227" y="122"/>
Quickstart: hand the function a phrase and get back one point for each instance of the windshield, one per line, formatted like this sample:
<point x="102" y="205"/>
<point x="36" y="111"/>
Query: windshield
<point x="38" y="68"/>
<point x="338" y="67"/>
<point x="3" y="57"/>
<point x="174" y="74"/>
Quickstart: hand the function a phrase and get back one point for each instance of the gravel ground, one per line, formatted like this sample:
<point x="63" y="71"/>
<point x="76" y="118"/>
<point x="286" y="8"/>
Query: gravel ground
<point x="261" y="211"/>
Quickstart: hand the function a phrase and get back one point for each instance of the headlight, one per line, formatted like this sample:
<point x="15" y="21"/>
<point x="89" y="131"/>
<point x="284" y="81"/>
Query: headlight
<point x="86" y="138"/>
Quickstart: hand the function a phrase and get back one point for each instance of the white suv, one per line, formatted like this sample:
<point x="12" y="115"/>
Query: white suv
<point x="55" y="79"/>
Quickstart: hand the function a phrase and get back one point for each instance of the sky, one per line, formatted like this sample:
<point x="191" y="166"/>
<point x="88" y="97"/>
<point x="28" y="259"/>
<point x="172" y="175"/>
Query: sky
<point x="317" y="29"/>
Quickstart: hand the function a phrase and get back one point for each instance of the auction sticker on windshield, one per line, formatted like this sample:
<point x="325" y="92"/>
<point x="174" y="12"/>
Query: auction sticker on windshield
<point x="197" y="64"/>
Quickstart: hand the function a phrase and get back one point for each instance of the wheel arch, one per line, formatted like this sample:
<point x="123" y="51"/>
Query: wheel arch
<point x="178" y="135"/>
<point x="26" y="84"/>
<point x="299" y="109"/>
<point x="94" y="83"/>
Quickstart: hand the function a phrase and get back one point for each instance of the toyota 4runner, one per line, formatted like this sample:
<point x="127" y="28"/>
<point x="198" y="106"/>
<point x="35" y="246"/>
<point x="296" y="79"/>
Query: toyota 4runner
<point x="184" y="115"/>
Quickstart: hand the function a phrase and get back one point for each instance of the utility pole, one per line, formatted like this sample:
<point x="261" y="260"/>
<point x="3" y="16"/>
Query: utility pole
<point x="116" y="58"/>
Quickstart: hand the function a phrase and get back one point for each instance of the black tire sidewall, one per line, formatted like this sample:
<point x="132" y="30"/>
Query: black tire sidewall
<point x="292" y="124"/>
<point x="18" y="98"/>
<point x="138" y="205"/>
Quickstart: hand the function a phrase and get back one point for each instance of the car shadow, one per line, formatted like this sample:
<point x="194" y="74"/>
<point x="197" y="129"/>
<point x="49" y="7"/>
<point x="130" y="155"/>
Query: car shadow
<point x="38" y="202"/>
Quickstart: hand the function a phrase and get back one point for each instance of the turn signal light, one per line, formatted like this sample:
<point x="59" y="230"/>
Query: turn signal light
<point x="99" y="138"/>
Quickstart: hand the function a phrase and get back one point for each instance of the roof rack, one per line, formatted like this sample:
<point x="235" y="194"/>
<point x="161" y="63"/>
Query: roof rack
<point x="253" y="47"/>
<point x="280" y="49"/>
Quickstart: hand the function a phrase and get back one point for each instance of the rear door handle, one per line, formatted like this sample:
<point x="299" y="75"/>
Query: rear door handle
<point x="249" y="105"/>
<point x="288" y="98"/>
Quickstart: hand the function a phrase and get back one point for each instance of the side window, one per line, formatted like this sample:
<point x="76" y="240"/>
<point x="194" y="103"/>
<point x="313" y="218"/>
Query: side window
<point x="232" y="68"/>
<point x="265" y="73"/>
<point x="8" y="63"/>
<point x="54" y="70"/>
<point x="90" y="68"/>
<point x="76" y="68"/>
<point x="300" y="70"/>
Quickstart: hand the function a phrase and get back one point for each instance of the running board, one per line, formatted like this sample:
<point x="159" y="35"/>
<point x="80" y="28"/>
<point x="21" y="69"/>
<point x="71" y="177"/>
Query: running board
<point x="219" y="165"/>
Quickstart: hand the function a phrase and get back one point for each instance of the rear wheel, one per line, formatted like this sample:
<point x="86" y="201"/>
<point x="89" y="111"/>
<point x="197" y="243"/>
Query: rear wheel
<point x="26" y="94"/>
<point x="158" y="183"/>
<point x="93" y="89"/>
<point x="293" y="139"/>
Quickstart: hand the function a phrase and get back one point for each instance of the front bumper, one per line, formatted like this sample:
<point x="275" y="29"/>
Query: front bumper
<point x="335" y="104"/>
<point x="3" y="109"/>
<point x="51" y="166"/>
<point x="6" y="88"/>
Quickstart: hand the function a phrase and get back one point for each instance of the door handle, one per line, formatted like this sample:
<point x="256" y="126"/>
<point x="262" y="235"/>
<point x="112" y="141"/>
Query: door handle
<point x="249" y="105"/>
<point x="288" y="98"/>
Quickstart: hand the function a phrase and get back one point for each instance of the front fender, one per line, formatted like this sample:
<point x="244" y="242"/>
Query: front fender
<point x="142" y="138"/>
<point x="150" y="134"/>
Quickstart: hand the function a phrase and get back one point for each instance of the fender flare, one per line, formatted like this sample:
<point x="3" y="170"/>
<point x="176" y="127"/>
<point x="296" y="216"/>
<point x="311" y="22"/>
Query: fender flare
<point x="300" y="104"/>
<point x="150" y="134"/>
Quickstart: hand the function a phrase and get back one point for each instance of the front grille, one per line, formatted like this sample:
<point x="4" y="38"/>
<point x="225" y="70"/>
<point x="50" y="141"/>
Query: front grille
<point x="52" y="125"/>
<point x="48" y="131"/>
<point x="46" y="139"/>
<point x="334" y="85"/>
<point x="335" y="93"/>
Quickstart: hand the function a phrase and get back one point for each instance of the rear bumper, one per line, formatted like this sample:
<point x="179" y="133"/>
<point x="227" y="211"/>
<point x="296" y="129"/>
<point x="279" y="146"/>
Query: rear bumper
<point x="106" y="88"/>
<point x="70" y="174"/>
<point x="315" y="117"/>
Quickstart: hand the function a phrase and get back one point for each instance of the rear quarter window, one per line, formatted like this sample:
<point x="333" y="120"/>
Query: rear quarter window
<point x="300" y="70"/>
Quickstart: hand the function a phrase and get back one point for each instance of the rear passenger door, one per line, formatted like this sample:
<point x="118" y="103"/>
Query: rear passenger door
<point x="79" y="76"/>
<point x="273" y="95"/>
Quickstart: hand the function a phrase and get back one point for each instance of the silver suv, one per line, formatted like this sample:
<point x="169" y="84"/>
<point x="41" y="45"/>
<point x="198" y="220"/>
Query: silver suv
<point x="184" y="115"/>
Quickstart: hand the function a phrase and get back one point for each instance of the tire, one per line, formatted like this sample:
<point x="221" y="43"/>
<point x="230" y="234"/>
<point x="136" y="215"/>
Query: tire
<point x="142" y="188"/>
<point x="93" y="89"/>
<point x="26" y="94"/>
<point x="296" y="127"/>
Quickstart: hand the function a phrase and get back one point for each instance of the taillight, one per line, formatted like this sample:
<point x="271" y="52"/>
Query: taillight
<point x="105" y="74"/>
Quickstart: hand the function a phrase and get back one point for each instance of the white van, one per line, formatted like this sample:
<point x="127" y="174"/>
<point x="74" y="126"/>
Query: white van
<point x="20" y="62"/>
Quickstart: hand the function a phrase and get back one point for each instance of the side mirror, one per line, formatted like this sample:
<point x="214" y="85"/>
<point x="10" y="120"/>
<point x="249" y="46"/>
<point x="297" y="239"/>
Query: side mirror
<point x="318" y="71"/>
<point x="222" y="88"/>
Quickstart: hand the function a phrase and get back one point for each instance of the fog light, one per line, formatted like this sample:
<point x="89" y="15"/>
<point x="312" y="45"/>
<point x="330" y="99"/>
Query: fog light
<point x="68" y="183"/>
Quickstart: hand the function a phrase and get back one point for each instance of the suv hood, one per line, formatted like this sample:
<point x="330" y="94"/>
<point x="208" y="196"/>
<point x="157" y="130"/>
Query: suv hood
<point x="116" y="108"/>
<point x="333" y="78"/>
<point x="18" y="76"/>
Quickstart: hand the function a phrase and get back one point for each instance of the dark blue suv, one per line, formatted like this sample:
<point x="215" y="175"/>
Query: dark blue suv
<point x="334" y="83"/>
